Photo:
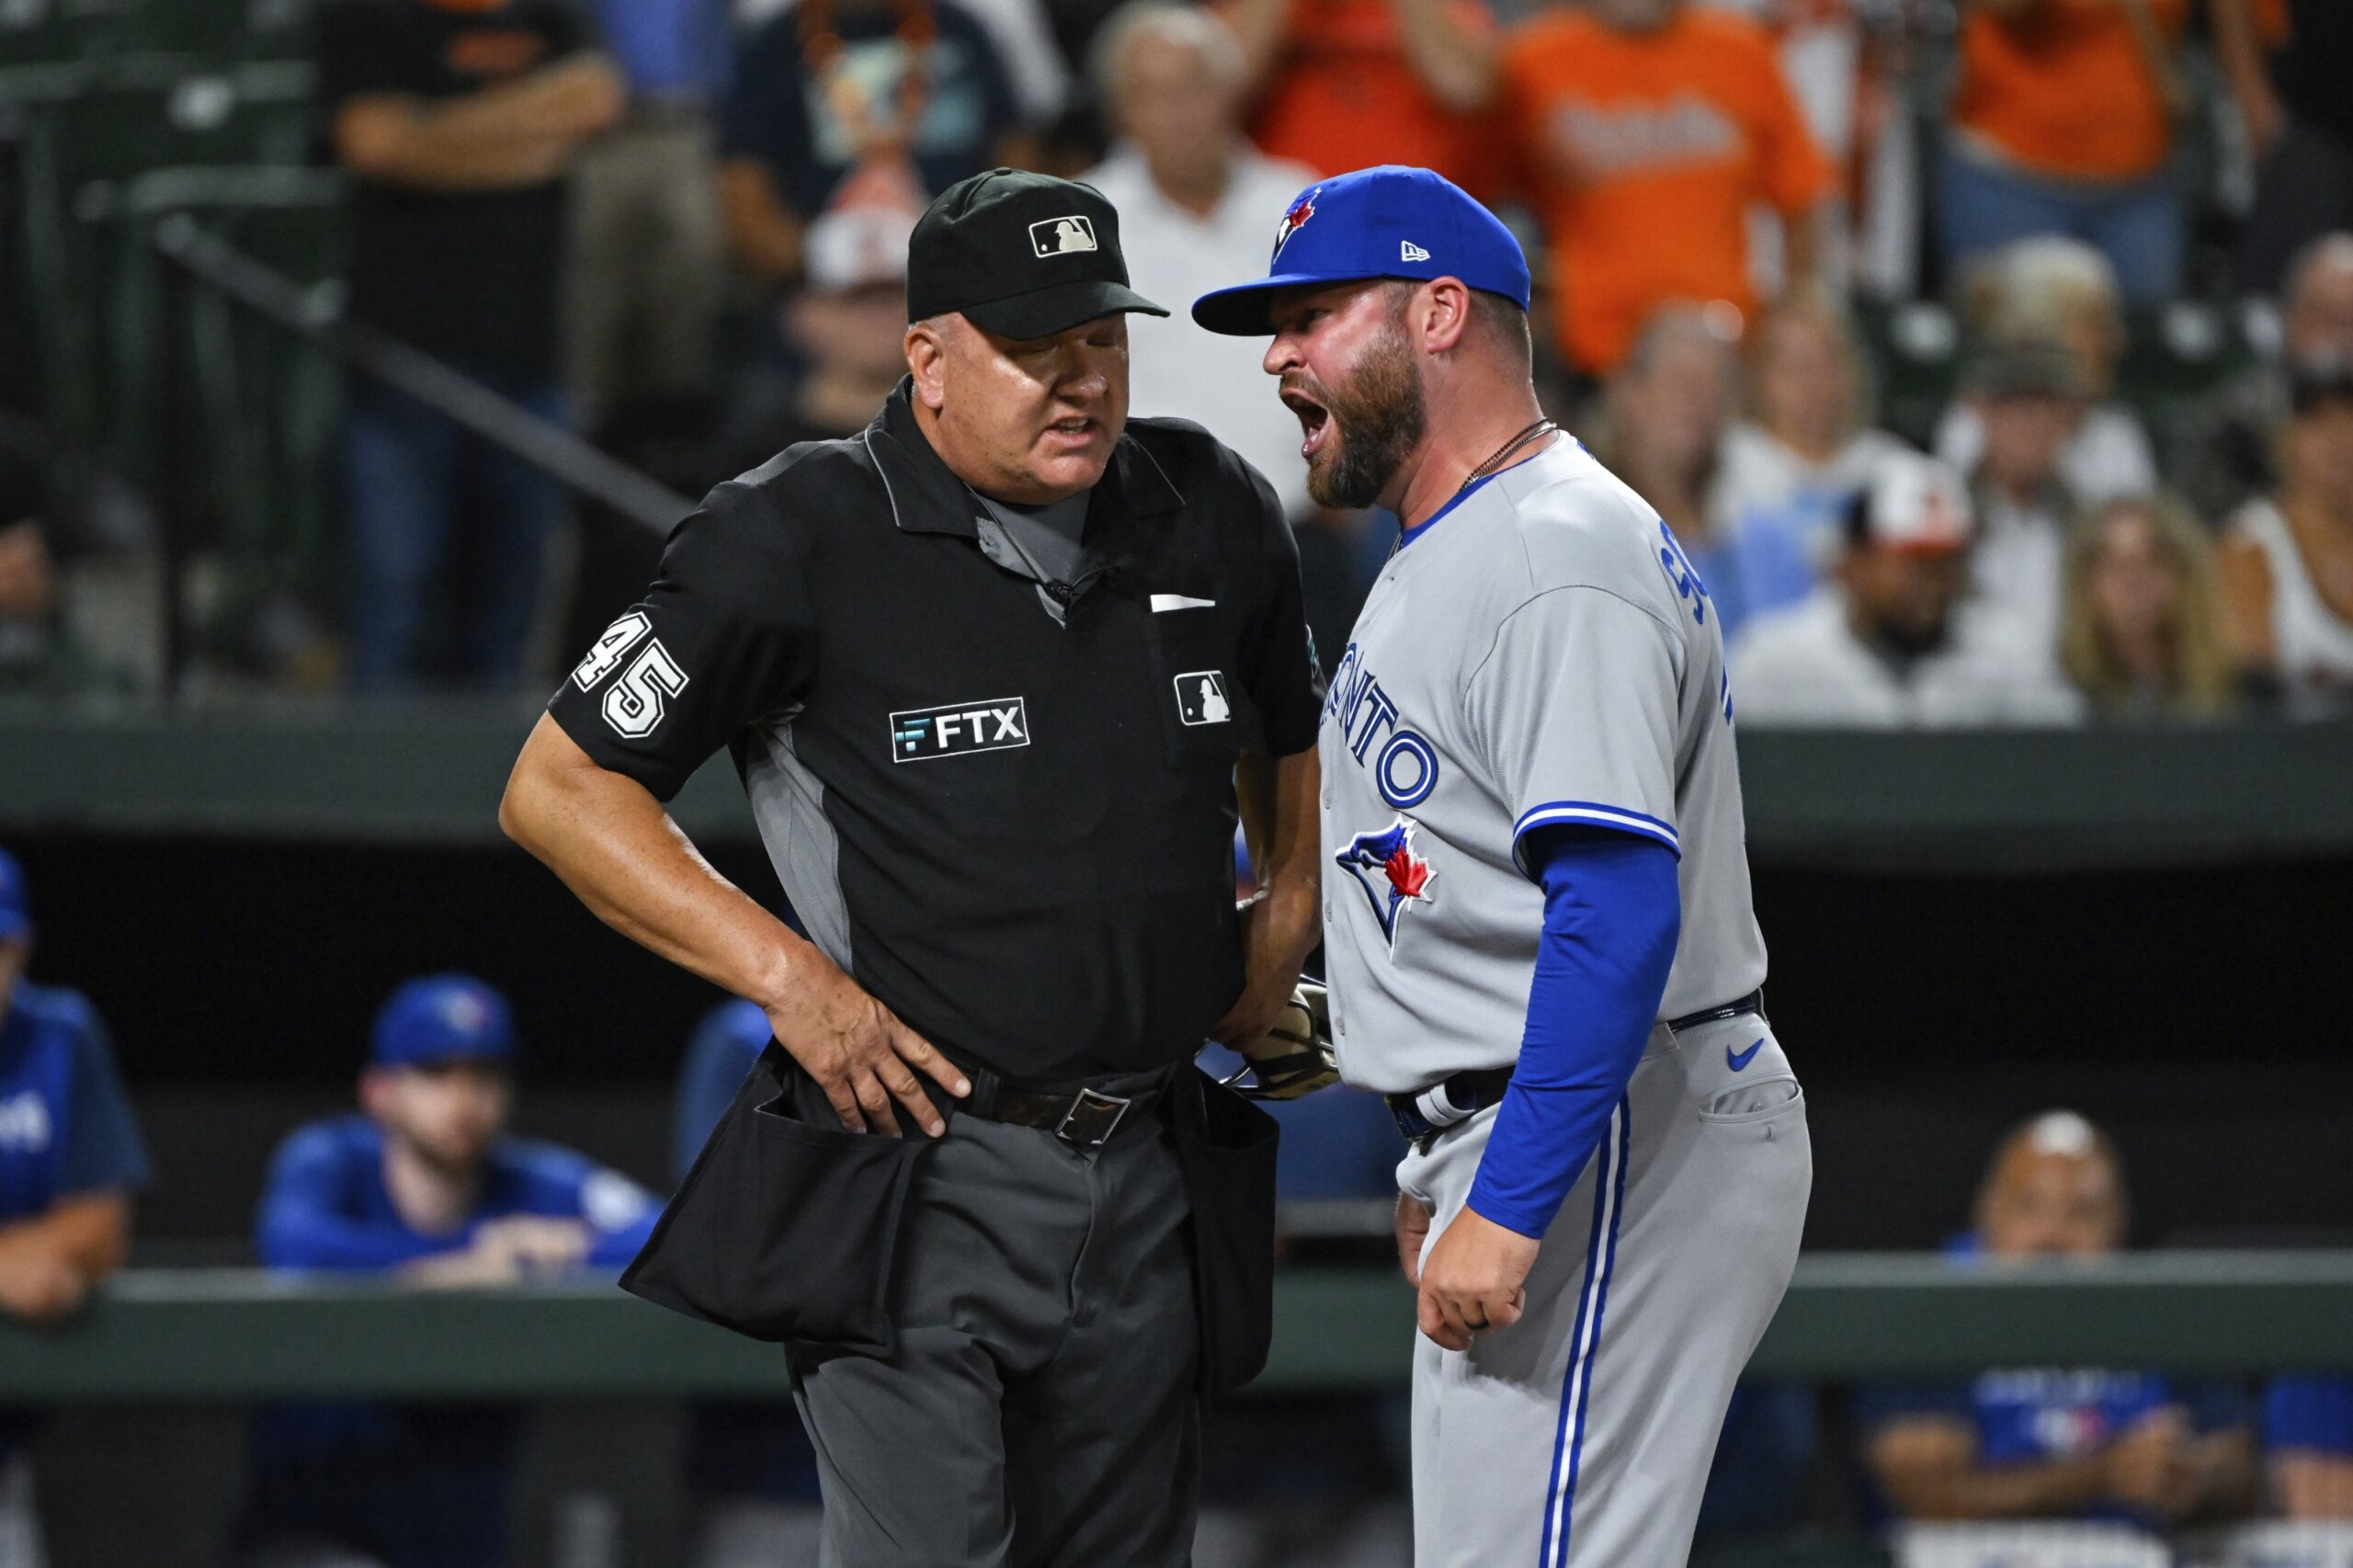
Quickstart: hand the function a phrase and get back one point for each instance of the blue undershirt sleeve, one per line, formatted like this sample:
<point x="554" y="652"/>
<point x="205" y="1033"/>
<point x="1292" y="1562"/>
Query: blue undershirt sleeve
<point x="1612" y="911"/>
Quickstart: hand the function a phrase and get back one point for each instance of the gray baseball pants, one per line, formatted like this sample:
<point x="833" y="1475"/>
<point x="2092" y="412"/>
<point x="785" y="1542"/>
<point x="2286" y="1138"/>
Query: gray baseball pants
<point x="1581" y="1436"/>
<point x="1039" y="1409"/>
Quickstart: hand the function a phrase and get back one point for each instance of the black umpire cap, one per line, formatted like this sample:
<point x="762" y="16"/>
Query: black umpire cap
<point x="1019" y="255"/>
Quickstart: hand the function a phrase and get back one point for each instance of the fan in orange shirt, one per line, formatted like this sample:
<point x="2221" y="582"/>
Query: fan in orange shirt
<point x="1646" y="131"/>
<point x="2061" y="124"/>
<point x="1343" y="85"/>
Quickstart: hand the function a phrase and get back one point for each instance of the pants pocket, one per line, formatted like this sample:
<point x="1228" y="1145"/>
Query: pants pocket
<point x="1225" y="1147"/>
<point x="1752" y="1103"/>
<point x="786" y="1229"/>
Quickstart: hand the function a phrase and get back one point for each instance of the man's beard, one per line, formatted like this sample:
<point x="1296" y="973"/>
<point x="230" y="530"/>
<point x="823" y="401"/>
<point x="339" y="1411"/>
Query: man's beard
<point x="1908" y="642"/>
<point x="1378" y="419"/>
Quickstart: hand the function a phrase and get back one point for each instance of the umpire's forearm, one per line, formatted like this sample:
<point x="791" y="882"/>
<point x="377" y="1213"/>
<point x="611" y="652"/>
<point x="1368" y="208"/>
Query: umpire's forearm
<point x="1288" y="927"/>
<point x="615" y="847"/>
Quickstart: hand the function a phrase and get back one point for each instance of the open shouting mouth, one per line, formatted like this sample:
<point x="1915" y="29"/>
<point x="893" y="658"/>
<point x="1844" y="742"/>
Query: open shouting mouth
<point x="1315" y="422"/>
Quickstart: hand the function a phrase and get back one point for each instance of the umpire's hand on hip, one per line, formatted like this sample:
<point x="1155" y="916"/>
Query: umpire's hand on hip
<point x="1473" y="1280"/>
<point x="611" y="842"/>
<point x="858" y="1052"/>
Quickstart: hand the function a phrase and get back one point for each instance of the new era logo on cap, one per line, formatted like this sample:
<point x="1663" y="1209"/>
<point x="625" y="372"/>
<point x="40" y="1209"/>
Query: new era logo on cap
<point x="1408" y="251"/>
<point x="1060" y="236"/>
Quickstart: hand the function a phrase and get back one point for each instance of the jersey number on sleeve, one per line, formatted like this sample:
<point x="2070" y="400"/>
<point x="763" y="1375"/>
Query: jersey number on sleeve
<point x="635" y="705"/>
<point x="619" y="639"/>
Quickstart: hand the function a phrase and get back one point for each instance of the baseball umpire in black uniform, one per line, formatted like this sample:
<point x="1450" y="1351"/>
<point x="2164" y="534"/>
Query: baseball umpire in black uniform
<point x="998" y="675"/>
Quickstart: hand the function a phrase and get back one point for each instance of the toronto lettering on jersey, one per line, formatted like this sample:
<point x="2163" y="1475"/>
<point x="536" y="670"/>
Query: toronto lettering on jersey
<point x="1404" y="767"/>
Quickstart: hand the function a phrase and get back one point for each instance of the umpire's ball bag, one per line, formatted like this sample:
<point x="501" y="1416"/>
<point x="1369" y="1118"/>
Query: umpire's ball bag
<point x="787" y="1226"/>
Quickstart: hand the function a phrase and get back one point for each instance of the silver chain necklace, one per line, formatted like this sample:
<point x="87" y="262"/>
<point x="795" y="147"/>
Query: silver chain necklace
<point x="1542" y="427"/>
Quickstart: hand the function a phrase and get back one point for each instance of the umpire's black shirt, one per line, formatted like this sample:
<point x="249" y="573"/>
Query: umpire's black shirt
<point x="1013" y="827"/>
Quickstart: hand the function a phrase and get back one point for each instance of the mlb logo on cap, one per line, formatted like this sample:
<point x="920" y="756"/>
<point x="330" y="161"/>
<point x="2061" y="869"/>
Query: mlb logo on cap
<point x="1391" y="221"/>
<point x="1060" y="236"/>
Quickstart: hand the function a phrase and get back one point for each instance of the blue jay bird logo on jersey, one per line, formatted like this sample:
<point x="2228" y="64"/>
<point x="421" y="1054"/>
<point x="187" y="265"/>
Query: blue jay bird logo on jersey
<point x="1392" y="875"/>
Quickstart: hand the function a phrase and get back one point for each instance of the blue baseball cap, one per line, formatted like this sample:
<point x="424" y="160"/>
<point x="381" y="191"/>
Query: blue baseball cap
<point x="1390" y="221"/>
<point x="16" y="910"/>
<point x="443" y="1018"/>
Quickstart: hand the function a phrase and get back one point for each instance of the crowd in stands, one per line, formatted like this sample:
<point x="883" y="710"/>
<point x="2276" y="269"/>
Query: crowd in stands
<point x="679" y="226"/>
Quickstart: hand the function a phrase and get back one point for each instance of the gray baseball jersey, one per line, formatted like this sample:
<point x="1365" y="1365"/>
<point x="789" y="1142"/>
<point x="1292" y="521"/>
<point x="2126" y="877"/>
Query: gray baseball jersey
<point x="1543" y="652"/>
<point x="1540" y="652"/>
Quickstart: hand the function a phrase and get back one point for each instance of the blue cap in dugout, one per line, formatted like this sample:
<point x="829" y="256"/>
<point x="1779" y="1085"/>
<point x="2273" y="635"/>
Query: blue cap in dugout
<point x="443" y="1018"/>
<point x="1391" y="221"/>
<point x="16" y="910"/>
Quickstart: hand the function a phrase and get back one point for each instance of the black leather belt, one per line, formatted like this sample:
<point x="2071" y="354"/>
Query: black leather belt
<point x="1466" y="1093"/>
<point x="1084" y="1116"/>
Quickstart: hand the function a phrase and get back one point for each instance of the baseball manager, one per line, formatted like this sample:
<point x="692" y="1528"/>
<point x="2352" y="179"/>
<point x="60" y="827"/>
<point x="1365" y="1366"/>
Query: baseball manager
<point x="998" y="675"/>
<point x="1538" y="931"/>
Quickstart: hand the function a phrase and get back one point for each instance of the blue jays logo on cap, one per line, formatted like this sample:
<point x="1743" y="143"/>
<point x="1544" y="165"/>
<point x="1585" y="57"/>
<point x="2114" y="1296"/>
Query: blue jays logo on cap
<point x="443" y="1018"/>
<point x="1392" y="875"/>
<point x="1391" y="221"/>
<point x="1300" y="211"/>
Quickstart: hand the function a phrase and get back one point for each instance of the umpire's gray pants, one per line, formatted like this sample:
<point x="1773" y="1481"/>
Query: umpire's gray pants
<point x="1581" y="1436"/>
<point x="1040" y="1411"/>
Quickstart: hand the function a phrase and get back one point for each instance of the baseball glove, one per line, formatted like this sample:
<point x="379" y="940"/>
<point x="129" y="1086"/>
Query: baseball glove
<point x="1294" y="1057"/>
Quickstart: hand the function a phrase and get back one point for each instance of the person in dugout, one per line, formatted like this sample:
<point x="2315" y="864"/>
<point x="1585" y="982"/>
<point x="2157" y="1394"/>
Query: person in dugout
<point x="69" y="1158"/>
<point x="426" y="1186"/>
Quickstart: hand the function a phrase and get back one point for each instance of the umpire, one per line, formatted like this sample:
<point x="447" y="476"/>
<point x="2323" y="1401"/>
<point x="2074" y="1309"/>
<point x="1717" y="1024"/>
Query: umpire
<point x="997" y="675"/>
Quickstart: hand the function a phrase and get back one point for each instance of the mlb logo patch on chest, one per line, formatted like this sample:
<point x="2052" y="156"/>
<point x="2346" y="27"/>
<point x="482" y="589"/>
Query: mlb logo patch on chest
<point x="1200" y="698"/>
<point x="956" y="728"/>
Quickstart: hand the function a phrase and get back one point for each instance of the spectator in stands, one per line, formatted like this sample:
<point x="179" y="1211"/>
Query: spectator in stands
<point x="1794" y="466"/>
<point x="2299" y="123"/>
<point x="2052" y="1443"/>
<point x="2062" y="293"/>
<point x="2025" y="399"/>
<point x="847" y="329"/>
<point x="2308" y="1434"/>
<point x="645" y="253"/>
<point x="1194" y="199"/>
<point x="1647" y="131"/>
<point x="2061" y="124"/>
<point x="912" y="93"/>
<point x="2140" y="633"/>
<point x="750" y="1471"/>
<point x="1885" y="644"/>
<point x="1341" y="85"/>
<point x="69" y="1158"/>
<point x="2224" y="457"/>
<point x="426" y="1186"/>
<point x="2287" y="563"/>
<point x="1668" y="416"/>
<point x="1809" y="433"/>
<point x="36" y="655"/>
<point x="456" y="120"/>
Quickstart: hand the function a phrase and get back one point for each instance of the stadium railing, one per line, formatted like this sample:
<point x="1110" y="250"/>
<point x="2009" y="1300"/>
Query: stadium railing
<point x="198" y="1335"/>
<point x="1984" y="801"/>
